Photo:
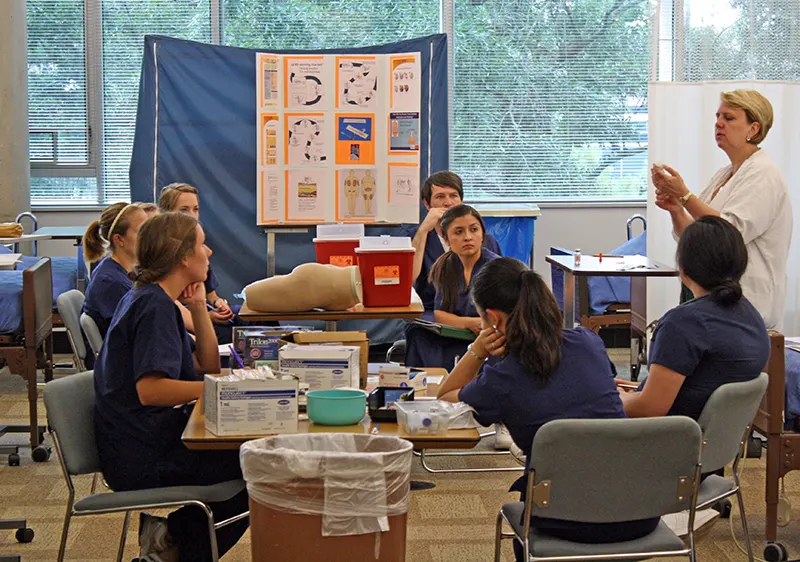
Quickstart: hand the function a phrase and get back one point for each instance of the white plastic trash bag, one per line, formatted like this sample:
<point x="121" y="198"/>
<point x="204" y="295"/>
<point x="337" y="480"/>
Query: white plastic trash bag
<point x="354" y="482"/>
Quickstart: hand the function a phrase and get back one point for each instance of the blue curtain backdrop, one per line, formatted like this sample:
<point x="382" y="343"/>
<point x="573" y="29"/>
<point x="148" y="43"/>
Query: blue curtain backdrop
<point x="201" y="129"/>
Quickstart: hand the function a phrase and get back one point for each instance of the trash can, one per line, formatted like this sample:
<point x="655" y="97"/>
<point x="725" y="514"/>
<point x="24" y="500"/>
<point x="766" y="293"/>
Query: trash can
<point x="338" y="497"/>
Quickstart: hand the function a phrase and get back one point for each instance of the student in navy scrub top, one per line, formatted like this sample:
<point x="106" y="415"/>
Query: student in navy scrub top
<point x="184" y="198"/>
<point x="716" y="338"/>
<point x="439" y="192"/>
<point x="145" y="372"/>
<point x="540" y="372"/>
<point x="464" y="232"/>
<point x="111" y="241"/>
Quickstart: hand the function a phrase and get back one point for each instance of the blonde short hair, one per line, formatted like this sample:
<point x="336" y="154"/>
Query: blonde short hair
<point x="756" y="107"/>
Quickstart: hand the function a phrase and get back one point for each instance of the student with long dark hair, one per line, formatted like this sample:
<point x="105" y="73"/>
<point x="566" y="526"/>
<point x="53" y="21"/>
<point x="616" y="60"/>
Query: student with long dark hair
<point x="145" y="371"/>
<point x="716" y="338"/>
<point x="464" y="232"/>
<point x="540" y="372"/>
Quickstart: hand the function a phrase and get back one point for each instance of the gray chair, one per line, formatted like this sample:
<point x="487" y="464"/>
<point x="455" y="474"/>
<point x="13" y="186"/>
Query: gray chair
<point x="92" y="333"/>
<point x="70" y="411"/>
<point x="725" y="422"/>
<point x="69" y="308"/>
<point x="575" y="476"/>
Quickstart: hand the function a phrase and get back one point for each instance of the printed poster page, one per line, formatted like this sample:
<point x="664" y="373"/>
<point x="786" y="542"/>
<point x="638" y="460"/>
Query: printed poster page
<point x="270" y="202"/>
<point x="403" y="192"/>
<point x="405" y="78"/>
<point x="358" y="197"/>
<point x="270" y="128"/>
<point x="305" y="195"/>
<point x="404" y="132"/>
<point x="269" y="80"/>
<point x="355" y="139"/>
<point x="357" y="82"/>
<point x="305" y="81"/>
<point x="306" y="139"/>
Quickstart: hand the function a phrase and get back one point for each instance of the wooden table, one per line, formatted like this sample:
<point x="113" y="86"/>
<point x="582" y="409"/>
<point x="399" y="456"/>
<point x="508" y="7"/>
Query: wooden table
<point x="332" y="317"/>
<point x="638" y="268"/>
<point x="74" y="233"/>
<point x="195" y="436"/>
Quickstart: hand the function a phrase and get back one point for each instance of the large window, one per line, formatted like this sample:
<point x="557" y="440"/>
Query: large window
<point x="549" y="98"/>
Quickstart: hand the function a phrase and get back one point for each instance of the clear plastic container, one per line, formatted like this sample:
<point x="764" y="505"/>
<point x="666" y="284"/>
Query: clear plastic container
<point x="423" y="417"/>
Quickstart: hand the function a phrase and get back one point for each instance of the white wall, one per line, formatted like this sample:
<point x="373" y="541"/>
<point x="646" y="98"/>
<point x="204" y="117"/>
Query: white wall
<point x="593" y="229"/>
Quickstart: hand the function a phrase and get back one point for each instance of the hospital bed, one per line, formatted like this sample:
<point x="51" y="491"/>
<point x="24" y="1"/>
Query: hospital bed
<point x="777" y="418"/>
<point x="26" y="341"/>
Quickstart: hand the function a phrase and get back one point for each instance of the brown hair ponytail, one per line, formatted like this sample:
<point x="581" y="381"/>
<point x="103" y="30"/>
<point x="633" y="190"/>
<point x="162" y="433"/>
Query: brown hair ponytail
<point x="446" y="277"/>
<point x="534" y="332"/>
<point x="99" y="236"/>
<point x="163" y="242"/>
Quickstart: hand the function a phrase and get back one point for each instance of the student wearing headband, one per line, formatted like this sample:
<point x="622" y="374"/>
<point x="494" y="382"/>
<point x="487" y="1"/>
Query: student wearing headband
<point x="110" y="242"/>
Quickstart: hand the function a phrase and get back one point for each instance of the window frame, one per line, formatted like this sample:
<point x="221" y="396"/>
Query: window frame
<point x="93" y="45"/>
<point x="92" y="31"/>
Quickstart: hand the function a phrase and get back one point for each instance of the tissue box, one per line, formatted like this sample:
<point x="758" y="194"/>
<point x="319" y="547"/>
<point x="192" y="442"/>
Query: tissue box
<point x="260" y="346"/>
<point x="355" y="339"/>
<point x="402" y="376"/>
<point x="322" y="366"/>
<point x="250" y="407"/>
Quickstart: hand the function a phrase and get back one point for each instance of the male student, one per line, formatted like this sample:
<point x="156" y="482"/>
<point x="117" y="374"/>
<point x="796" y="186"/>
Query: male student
<point x="440" y="191"/>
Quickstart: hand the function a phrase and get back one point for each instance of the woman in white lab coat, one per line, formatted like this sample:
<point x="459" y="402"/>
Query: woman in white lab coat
<point x="750" y="193"/>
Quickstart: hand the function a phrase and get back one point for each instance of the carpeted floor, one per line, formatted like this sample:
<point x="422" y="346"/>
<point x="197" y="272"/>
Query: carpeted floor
<point x="454" y="521"/>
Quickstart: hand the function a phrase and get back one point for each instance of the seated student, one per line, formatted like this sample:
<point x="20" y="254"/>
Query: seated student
<point x="113" y="237"/>
<point x="184" y="198"/>
<point x="716" y="338"/>
<point x="145" y="369"/>
<point x="540" y="372"/>
<point x="111" y="241"/>
<point x="464" y="232"/>
<point x="440" y="191"/>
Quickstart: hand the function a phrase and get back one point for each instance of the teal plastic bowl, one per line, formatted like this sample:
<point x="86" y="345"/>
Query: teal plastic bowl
<point x="337" y="406"/>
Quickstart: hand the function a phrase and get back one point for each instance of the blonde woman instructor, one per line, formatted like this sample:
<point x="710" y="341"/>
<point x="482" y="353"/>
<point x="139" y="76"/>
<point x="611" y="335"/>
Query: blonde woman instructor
<point x="750" y="193"/>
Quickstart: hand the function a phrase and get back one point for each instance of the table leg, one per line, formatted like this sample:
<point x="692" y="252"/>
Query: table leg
<point x="638" y="324"/>
<point x="569" y="300"/>
<point x="81" y="280"/>
<point x="270" y="254"/>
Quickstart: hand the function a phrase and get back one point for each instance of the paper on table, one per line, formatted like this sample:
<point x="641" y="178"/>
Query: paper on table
<point x="224" y="350"/>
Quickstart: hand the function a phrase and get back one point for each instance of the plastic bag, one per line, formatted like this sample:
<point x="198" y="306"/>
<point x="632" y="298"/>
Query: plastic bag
<point x="355" y="482"/>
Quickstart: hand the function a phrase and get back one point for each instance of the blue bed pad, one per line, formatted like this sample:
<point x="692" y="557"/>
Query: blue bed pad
<point x="605" y="291"/>
<point x="64" y="278"/>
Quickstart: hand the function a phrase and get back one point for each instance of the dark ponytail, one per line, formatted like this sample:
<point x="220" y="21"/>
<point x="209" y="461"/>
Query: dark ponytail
<point x="712" y="253"/>
<point x="534" y="333"/>
<point x="446" y="277"/>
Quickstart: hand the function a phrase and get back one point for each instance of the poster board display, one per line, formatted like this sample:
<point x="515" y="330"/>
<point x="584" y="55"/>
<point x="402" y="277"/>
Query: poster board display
<point x="338" y="138"/>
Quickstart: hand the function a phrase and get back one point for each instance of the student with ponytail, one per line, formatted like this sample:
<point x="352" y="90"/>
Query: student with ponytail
<point x="113" y="237"/>
<point x="539" y="372"/>
<point x="145" y="371"/>
<point x="464" y="232"/>
<point x="716" y="338"/>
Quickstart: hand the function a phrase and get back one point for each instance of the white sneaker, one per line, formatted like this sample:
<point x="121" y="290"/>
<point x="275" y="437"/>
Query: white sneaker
<point x="518" y="454"/>
<point x="679" y="522"/>
<point x="502" y="438"/>
<point x="153" y="535"/>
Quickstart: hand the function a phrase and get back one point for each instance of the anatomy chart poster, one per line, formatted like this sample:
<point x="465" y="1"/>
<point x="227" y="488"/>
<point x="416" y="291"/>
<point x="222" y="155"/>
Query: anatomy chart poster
<point x="338" y="138"/>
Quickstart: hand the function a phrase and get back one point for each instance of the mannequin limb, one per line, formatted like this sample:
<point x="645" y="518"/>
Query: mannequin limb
<point x="309" y="285"/>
